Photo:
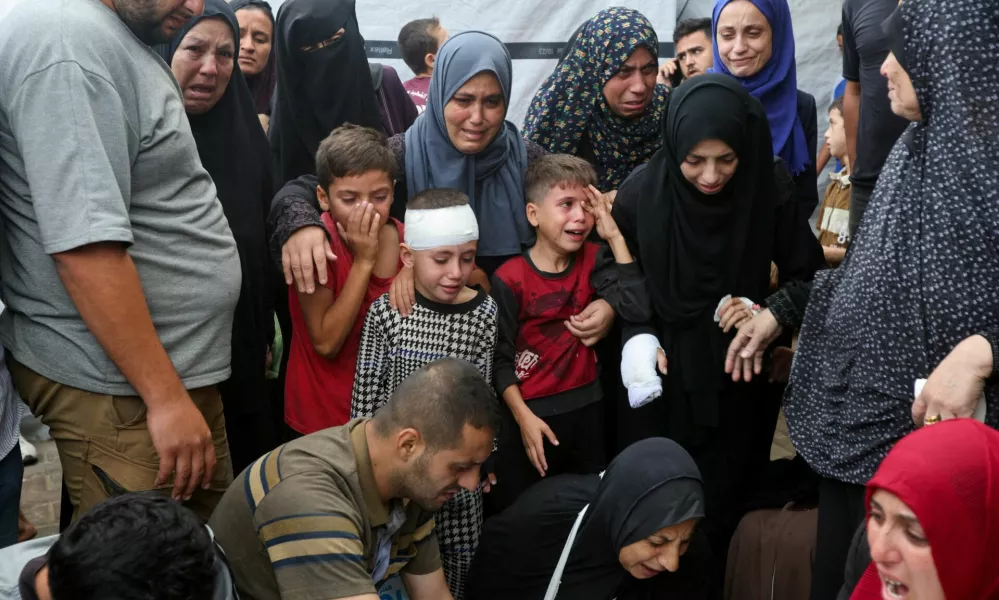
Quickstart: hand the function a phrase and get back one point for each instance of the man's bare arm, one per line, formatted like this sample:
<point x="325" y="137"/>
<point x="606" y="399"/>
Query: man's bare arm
<point x="103" y="283"/>
<point x="851" y="117"/>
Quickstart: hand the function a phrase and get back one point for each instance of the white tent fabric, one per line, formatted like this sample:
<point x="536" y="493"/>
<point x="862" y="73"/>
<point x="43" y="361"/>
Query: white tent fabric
<point x="534" y="31"/>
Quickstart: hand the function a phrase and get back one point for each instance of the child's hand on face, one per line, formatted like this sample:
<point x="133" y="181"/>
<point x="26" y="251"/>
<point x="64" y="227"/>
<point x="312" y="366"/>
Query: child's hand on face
<point x="599" y="205"/>
<point x="362" y="231"/>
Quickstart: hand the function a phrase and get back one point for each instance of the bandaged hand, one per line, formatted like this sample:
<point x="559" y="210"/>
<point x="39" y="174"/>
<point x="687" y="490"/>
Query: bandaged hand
<point x="642" y="361"/>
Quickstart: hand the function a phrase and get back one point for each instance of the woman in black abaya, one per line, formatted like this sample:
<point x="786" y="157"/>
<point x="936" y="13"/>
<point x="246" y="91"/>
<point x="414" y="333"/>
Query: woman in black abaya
<point x="259" y="70"/>
<point x="704" y="219"/>
<point x="637" y="540"/>
<point x="233" y="150"/>
<point x="323" y="82"/>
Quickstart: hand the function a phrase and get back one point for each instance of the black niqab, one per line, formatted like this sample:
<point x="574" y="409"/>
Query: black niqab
<point x="262" y="84"/>
<point x="233" y="149"/>
<point x="322" y="83"/>
<point x="651" y="485"/>
<point x="695" y="249"/>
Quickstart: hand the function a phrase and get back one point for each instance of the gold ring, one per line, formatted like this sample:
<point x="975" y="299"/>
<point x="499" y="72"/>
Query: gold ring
<point x="931" y="420"/>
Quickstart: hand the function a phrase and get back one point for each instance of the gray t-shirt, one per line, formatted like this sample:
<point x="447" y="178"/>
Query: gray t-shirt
<point x="96" y="147"/>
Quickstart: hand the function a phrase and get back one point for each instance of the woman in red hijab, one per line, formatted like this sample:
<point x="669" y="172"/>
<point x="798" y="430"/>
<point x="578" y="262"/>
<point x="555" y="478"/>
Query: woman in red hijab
<point x="933" y="516"/>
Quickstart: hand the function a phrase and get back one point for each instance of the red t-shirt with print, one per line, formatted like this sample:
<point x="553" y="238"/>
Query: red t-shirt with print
<point x="318" y="390"/>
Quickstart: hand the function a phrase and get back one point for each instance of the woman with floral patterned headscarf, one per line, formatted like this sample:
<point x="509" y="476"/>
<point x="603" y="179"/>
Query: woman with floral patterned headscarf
<point x="602" y="103"/>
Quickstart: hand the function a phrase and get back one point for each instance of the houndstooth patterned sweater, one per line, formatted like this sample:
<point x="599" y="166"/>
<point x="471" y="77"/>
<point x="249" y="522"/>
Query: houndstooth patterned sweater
<point x="393" y="347"/>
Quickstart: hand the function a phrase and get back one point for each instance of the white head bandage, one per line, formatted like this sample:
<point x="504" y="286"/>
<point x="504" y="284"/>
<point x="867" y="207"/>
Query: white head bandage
<point x="435" y="227"/>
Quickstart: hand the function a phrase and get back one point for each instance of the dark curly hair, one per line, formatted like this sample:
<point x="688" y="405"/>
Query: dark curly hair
<point x="134" y="547"/>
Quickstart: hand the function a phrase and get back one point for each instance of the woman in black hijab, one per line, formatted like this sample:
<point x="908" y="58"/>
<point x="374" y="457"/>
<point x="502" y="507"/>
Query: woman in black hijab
<point x="639" y="520"/>
<point x="263" y="67"/>
<point x="233" y="149"/>
<point x="323" y="81"/>
<point x="704" y="219"/>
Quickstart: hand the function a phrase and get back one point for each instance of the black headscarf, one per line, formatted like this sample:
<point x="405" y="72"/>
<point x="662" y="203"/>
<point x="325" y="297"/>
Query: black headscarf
<point x="696" y="249"/>
<point x="322" y="84"/>
<point x="262" y="84"/>
<point x="651" y="485"/>
<point x="233" y="149"/>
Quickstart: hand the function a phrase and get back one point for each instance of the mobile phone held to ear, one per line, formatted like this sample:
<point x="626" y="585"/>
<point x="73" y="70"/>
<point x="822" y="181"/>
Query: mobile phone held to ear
<point x="677" y="77"/>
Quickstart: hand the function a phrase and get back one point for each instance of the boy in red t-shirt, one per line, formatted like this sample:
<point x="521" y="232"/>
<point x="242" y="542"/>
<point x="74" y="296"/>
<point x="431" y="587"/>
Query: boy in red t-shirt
<point x="356" y="172"/>
<point x="547" y="376"/>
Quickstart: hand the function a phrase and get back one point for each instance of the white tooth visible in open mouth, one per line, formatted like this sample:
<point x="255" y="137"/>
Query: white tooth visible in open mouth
<point x="895" y="589"/>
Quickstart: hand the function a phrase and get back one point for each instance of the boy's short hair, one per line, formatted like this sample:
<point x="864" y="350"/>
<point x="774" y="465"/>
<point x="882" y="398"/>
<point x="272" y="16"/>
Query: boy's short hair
<point x="552" y="170"/>
<point x="437" y="198"/>
<point x="353" y="150"/>
<point x="691" y="26"/>
<point x="837" y="104"/>
<point x="416" y="41"/>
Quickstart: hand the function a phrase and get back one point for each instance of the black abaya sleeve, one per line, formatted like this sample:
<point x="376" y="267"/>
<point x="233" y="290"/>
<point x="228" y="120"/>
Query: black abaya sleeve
<point x="624" y="286"/>
<point x="798" y="256"/>
<point x="294" y="207"/>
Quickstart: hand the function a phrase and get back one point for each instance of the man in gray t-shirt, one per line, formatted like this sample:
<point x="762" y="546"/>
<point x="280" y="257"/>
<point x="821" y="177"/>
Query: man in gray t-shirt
<point x="118" y="266"/>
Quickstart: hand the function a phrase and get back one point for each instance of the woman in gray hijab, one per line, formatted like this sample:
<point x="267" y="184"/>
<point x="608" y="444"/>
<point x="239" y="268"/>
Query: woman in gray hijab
<point x="462" y="141"/>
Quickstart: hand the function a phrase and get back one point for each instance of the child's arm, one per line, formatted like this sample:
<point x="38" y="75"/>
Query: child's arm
<point x="834" y="255"/>
<point x="600" y="206"/>
<point x="328" y="319"/>
<point x="370" y="381"/>
<point x="532" y="429"/>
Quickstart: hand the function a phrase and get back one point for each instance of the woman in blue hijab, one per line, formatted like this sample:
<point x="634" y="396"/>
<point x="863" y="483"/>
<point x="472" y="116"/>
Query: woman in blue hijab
<point x="754" y="42"/>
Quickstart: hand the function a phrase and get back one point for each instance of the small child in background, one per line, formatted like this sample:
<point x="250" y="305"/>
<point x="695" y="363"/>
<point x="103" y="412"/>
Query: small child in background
<point x="547" y="376"/>
<point x="419" y="41"/>
<point x="450" y="319"/>
<point x="834" y="215"/>
<point x="356" y="175"/>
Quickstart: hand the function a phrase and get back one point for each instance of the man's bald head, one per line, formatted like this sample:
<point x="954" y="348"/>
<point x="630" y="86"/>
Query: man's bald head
<point x="438" y="400"/>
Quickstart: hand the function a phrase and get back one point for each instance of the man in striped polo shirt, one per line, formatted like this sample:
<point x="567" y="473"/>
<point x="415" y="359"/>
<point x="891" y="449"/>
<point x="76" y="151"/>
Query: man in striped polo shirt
<point x="334" y="514"/>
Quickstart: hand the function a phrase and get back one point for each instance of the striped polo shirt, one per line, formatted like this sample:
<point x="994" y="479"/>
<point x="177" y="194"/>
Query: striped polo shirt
<point x="302" y="522"/>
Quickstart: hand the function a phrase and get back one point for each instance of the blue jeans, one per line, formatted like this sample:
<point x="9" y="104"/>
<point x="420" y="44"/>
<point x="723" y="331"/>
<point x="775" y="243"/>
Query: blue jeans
<point x="11" y="473"/>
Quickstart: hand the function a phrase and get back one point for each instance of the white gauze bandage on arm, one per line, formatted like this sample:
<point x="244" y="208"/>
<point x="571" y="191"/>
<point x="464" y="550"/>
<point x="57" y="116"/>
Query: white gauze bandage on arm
<point x="436" y="227"/>
<point x="639" y="369"/>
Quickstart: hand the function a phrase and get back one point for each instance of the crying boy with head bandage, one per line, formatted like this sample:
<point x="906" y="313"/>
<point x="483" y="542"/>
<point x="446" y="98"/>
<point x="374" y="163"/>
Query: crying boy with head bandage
<point x="449" y="319"/>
